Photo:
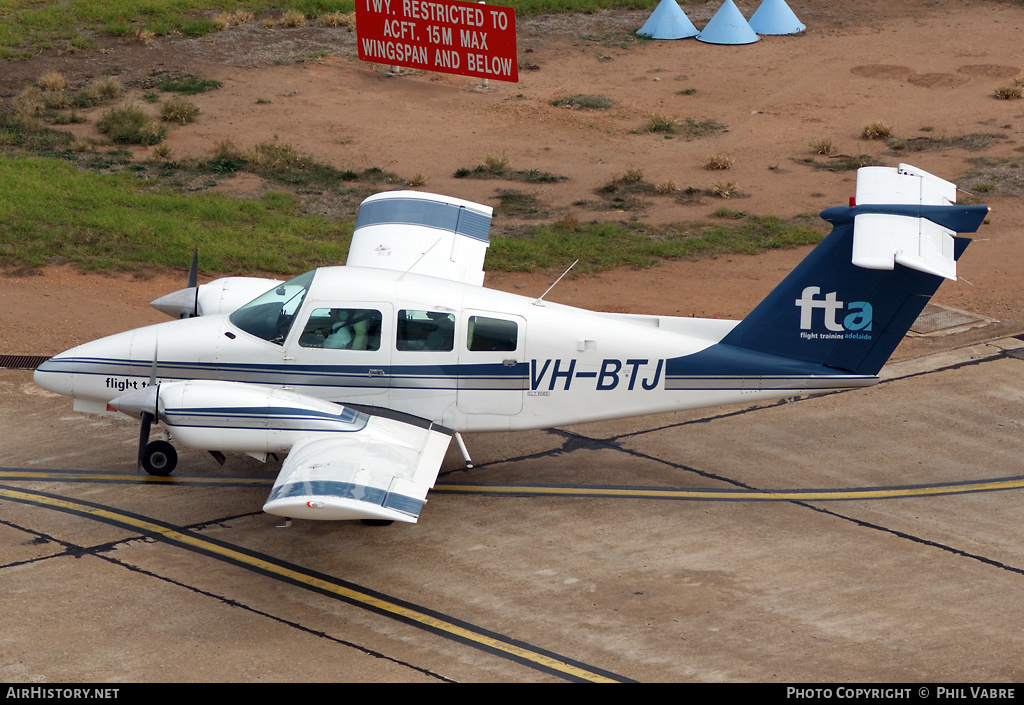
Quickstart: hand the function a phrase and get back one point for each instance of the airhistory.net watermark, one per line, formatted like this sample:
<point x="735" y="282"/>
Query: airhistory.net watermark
<point x="46" y="693"/>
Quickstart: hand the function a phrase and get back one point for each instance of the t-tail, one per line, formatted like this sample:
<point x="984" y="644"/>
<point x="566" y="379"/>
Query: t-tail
<point x="850" y="302"/>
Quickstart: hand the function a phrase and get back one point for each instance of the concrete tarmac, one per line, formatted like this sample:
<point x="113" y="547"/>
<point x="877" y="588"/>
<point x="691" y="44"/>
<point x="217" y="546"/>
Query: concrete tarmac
<point x="921" y="580"/>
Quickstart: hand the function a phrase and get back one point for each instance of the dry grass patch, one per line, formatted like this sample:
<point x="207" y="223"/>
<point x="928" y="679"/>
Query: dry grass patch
<point x="1011" y="92"/>
<point x="496" y="163"/>
<point x="875" y="131"/>
<point x="160" y="153"/>
<point x="633" y="176"/>
<point x="723" y="189"/>
<point x="339" y="19"/>
<point x="140" y="36"/>
<point x="823" y="146"/>
<point x="663" y="123"/>
<point x="101" y="89"/>
<point x="179" y="110"/>
<point x="718" y="162"/>
<point x="568" y="222"/>
<point x="52" y="81"/>
<point x="223" y="20"/>
<point x="291" y="18"/>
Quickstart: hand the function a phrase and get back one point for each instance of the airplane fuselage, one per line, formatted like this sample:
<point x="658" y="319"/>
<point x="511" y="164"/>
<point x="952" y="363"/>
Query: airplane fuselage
<point x="467" y="357"/>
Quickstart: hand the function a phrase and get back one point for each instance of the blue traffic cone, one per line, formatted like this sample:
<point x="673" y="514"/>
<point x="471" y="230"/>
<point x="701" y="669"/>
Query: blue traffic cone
<point x="727" y="27"/>
<point x="668" y="21"/>
<point x="775" y="17"/>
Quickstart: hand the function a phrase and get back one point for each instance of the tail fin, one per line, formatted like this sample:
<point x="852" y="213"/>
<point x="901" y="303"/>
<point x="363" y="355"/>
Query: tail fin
<point x="853" y="298"/>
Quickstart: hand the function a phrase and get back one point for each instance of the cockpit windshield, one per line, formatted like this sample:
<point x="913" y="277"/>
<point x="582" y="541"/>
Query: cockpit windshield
<point x="270" y="316"/>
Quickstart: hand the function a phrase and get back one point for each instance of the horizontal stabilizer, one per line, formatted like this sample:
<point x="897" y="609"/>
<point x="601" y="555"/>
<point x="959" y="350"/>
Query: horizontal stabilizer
<point x="881" y="241"/>
<point x="907" y="216"/>
<point x="422" y="233"/>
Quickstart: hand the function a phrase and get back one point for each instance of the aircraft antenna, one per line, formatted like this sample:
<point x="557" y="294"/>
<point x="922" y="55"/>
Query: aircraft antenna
<point x="413" y="265"/>
<point x="538" y="302"/>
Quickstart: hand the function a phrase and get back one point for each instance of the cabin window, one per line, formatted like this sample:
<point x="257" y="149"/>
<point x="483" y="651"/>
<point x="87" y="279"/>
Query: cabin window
<point x="342" y="329"/>
<point x="270" y="316"/>
<point x="425" y="330"/>
<point x="493" y="334"/>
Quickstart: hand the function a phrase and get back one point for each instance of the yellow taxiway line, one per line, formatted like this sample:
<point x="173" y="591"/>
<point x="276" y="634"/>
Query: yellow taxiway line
<point x="407" y="612"/>
<point x="706" y="495"/>
<point x="738" y="495"/>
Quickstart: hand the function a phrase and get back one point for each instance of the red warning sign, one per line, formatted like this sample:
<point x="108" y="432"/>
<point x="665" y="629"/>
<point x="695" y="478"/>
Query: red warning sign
<point x="464" y="38"/>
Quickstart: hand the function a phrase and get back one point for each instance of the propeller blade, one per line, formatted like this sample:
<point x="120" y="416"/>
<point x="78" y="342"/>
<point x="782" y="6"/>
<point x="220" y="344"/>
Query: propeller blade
<point x="193" y="270"/>
<point x="193" y="282"/>
<point x="152" y="370"/>
<point x="147" y="420"/>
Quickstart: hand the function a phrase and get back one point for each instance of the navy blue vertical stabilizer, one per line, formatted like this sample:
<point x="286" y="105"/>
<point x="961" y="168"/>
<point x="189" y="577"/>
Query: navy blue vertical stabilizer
<point x="833" y="313"/>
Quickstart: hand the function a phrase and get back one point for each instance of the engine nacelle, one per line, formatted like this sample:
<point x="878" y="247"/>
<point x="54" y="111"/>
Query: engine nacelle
<point x="222" y="295"/>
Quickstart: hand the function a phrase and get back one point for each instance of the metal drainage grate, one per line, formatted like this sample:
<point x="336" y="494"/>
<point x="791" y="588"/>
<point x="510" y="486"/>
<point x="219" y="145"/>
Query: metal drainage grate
<point x="936" y="319"/>
<point x="22" y="362"/>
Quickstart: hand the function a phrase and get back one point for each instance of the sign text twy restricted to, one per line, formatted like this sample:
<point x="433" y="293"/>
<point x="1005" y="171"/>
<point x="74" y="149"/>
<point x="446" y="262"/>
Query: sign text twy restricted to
<point x="463" y="38"/>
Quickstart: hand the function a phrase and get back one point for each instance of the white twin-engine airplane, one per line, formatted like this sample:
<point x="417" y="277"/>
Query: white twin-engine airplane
<point x="363" y="373"/>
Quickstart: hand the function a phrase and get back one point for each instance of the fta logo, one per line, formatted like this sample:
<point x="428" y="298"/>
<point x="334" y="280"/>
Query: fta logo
<point x="857" y="313"/>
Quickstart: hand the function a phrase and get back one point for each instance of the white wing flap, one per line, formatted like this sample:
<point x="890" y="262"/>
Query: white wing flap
<point x="422" y="233"/>
<point x="882" y="240"/>
<point x="381" y="472"/>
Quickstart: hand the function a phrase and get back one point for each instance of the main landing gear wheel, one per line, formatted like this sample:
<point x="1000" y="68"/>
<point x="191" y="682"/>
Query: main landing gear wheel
<point x="377" y="522"/>
<point x="159" y="458"/>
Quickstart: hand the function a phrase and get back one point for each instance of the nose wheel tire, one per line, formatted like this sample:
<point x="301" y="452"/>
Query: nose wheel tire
<point x="159" y="458"/>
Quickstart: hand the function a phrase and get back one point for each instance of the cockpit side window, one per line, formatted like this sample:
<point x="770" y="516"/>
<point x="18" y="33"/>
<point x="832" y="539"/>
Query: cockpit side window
<point x="270" y="316"/>
<point x="342" y="329"/>
<point x="425" y="330"/>
<point x="491" y="334"/>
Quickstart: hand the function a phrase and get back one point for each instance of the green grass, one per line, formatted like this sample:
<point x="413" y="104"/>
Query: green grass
<point x="846" y="163"/>
<point x="497" y="168"/>
<point x="29" y="25"/>
<point x="53" y="213"/>
<point x="695" y="130"/>
<point x="281" y="163"/>
<point x="997" y="175"/>
<point x="189" y="85"/>
<point x="690" y="129"/>
<point x="974" y="142"/>
<point x="601" y="246"/>
<point x="130" y="125"/>
<point x="516" y="204"/>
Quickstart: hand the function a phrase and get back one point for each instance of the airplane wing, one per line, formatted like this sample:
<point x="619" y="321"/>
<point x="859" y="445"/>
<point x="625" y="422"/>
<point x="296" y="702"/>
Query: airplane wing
<point x="342" y="463"/>
<point x="423" y="233"/>
<point x="382" y="472"/>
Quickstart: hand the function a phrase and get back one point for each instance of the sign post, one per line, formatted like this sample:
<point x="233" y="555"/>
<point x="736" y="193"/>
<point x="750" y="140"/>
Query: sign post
<point x="446" y="36"/>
